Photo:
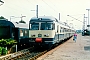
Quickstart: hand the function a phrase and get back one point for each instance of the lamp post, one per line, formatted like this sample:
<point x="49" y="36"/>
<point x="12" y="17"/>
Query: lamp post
<point x="22" y="17"/>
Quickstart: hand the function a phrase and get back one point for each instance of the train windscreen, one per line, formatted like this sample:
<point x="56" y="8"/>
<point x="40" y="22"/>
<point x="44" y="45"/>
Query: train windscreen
<point x="47" y="26"/>
<point x="4" y="32"/>
<point x="34" y="26"/>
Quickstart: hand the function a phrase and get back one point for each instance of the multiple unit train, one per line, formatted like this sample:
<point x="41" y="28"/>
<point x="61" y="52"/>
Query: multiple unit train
<point x="42" y="31"/>
<point x="47" y="31"/>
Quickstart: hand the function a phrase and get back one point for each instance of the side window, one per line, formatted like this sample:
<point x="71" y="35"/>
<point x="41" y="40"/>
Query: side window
<point x="26" y="32"/>
<point x="61" y="29"/>
<point x="57" y="28"/>
<point x="21" y="32"/>
<point x="53" y="26"/>
<point x="64" y="29"/>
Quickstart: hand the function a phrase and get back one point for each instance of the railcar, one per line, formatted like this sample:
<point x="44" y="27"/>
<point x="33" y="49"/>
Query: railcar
<point x="47" y="31"/>
<point x="86" y="32"/>
<point x="14" y="30"/>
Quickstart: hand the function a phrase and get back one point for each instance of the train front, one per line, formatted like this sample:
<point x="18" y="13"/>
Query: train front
<point x="5" y="29"/>
<point x="42" y="32"/>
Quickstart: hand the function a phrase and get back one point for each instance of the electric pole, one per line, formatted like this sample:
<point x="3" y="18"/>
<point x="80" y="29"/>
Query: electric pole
<point x="88" y="16"/>
<point x="84" y="23"/>
<point x="37" y="11"/>
<point x="59" y="16"/>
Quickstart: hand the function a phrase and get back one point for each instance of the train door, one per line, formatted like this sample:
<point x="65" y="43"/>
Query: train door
<point x="16" y="34"/>
<point x="5" y="32"/>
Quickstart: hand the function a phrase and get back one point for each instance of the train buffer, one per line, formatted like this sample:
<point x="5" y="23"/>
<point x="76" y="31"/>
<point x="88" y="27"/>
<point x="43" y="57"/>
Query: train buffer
<point x="70" y="50"/>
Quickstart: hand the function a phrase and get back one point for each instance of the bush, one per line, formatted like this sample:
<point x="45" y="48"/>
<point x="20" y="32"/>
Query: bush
<point x="7" y="42"/>
<point x="0" y="50"/>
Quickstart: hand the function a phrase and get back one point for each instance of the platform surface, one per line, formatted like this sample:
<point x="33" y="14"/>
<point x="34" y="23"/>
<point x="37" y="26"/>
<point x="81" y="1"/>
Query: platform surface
<point x="70" y="50"/>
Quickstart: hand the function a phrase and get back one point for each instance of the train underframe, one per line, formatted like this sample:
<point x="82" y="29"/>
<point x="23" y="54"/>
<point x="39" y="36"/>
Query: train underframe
<point x="32" y="42"/>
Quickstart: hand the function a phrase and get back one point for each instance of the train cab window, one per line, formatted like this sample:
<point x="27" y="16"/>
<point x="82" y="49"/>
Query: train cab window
<point x="34" y="26"/>
<point x="47" y="26"/>
<point x="62" y="29"/>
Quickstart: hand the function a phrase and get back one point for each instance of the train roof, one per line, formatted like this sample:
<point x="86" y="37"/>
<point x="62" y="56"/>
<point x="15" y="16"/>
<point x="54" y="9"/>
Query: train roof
<point x="21" y="25"/>
<point x="43" y="19"/>
<point x="13" y="24"/>
<point x="6" y="23"/>
<point x="49" y="19"/>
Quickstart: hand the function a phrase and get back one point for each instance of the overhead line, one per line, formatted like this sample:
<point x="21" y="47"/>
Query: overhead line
<point x="49" y="5"/>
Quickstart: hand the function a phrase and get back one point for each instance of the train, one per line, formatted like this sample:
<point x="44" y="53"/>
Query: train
<point x="85" y="32"/>
<point x="14" y="30"/>
<point x="44" y="31"/>
<point x="47" y="30"/>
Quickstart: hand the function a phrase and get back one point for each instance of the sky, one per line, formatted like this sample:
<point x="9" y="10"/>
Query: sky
<point x="27" y="8"/>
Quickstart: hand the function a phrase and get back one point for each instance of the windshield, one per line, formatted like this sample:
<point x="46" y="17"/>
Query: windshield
<point x="47" y="26"/>
<point x="34" y="26"/>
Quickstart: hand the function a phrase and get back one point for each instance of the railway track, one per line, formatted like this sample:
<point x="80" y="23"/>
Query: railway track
<point x="27" y="54"/>
<point x="16" y="54"/>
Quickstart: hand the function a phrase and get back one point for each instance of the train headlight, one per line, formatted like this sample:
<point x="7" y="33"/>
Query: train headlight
<point x="46" y="35"/>
<point x="32" y="35"/>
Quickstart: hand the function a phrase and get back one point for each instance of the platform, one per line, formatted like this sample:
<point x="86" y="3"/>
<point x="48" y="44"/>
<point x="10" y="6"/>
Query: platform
<point x="70" y="50"/>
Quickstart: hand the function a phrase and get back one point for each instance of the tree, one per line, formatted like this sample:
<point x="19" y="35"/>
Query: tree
<point x="22" y="21"/>
<point x="2" y="17"/>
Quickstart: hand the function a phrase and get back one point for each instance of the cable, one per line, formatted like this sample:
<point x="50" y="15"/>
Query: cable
<point x="49" y="5"/>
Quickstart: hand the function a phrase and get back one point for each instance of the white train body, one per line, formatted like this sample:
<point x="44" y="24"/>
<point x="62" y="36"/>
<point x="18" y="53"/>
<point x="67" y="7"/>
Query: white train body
<point x="48" y="31"/>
